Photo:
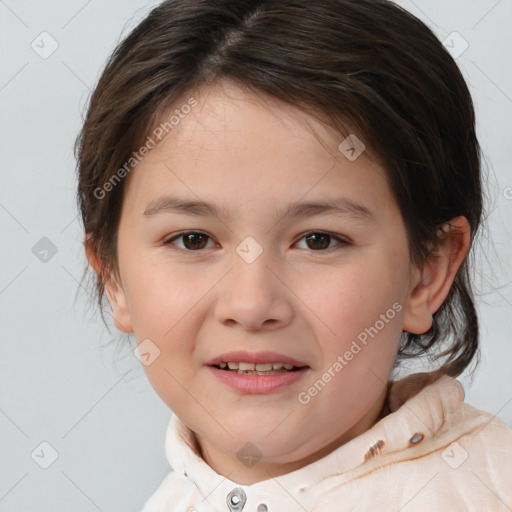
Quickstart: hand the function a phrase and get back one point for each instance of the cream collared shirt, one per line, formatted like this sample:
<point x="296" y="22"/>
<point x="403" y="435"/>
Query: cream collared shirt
<point x="432" y="452"/>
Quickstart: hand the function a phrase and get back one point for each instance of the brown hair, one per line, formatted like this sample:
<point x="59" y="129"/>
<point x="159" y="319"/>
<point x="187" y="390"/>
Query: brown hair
<point x="365" y="64"/>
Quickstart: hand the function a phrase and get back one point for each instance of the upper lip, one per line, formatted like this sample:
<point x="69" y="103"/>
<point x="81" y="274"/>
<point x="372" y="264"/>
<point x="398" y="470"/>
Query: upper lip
<point x="254" y="357"/>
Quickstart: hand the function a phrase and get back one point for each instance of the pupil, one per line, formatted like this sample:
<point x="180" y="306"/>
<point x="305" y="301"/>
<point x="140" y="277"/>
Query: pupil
<point x="315" y="237"/>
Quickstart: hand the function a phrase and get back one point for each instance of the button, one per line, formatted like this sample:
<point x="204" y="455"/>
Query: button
<point x="236" y="499"/>
<point x="262" y="507"/>
<point x="416" y="438"/>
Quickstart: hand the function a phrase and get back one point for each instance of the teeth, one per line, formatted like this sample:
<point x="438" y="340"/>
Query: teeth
<point x="260" y="367"/>
<point x="264" y="367"/>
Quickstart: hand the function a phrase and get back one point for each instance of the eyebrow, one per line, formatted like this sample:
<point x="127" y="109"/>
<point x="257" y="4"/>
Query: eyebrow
<point x="340" y="207"/>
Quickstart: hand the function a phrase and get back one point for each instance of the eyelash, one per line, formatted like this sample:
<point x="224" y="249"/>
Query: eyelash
<point x="342" y="241"/>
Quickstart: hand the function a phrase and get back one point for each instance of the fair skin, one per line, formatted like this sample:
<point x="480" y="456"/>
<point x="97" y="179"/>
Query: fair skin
<point x="297" y="298"/>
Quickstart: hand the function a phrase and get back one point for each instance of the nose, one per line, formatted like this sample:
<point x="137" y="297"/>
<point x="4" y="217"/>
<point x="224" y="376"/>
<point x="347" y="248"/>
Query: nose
<point x="255" y="295"/>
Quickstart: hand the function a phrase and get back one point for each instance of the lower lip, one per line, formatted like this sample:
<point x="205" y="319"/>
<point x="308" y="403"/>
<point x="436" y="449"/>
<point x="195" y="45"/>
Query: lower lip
<point x="258" y="384"/>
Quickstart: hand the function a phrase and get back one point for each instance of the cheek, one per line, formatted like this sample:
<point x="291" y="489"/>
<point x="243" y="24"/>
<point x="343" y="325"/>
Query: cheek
<point x="164" y="308"/>
<point x="353" y="298"/>
<point x="161" y="296"/>
<point x="362" y="310"/>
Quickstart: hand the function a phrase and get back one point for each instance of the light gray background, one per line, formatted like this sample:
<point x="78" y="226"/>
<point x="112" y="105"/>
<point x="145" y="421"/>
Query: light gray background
<point x="59" y="383"/>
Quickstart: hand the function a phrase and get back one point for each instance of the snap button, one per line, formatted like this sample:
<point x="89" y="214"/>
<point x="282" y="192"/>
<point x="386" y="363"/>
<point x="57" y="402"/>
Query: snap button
<point x="236" y="499"/>
<point x="262" y="507"/>
<point x="416" y="438"/>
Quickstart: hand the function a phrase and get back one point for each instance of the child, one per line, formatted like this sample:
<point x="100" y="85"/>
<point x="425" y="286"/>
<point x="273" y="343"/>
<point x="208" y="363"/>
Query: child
<point x="279" y="200"/>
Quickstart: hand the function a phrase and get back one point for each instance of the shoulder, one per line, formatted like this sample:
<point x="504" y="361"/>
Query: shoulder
<point x="477" y="462"/>
<point x="464" y="460"/>
<point x="487" y="450"/>
<point x="474" y="470"/>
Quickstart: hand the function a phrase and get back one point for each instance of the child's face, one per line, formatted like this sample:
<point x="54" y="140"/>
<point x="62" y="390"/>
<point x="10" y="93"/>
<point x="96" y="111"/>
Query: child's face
<point x="303" y="297"/>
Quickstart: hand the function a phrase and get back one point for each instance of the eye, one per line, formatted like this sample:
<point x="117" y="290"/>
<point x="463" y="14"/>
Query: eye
<point x="192" y="240"/>
<point x="320" y="241"/>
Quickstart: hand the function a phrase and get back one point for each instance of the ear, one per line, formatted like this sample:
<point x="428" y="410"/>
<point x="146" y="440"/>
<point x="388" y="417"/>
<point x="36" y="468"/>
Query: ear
<point x="114" y="291"/>
<point x="431" y="283"/>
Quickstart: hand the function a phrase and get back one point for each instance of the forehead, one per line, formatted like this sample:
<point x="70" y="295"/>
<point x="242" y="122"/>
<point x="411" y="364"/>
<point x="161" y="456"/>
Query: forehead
<point x="238" y="146"/>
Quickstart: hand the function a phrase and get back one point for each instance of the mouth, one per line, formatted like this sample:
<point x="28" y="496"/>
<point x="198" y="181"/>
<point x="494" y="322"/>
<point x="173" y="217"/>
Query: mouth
<point x="256" y="373"/>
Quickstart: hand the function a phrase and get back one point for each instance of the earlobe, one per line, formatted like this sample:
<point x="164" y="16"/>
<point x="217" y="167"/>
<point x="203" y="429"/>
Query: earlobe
<point x="431" y="284"/>
<point x="113" y="290"/>
<point x="417" y="317"/>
